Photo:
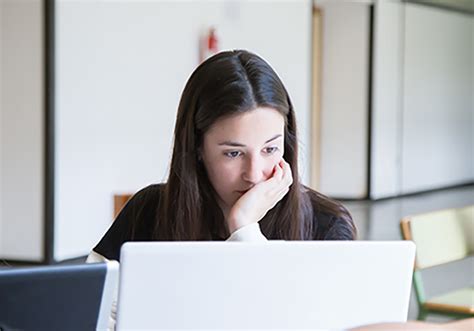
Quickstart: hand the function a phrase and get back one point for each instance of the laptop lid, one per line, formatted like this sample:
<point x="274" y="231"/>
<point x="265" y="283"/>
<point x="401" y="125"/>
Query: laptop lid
<point x="60" y="297"/>
<point x="270" y="285"/>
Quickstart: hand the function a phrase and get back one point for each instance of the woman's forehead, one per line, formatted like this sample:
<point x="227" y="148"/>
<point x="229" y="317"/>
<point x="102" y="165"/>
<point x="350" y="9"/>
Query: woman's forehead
<point x="258" y="125"/>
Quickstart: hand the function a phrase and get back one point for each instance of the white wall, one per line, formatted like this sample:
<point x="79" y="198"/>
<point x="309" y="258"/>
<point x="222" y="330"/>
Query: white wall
<point x="437" y="140"/>
<point x="344" y="104"/>
<point x="21" y="130"/>
<point x="387" y="93"/>
<point x="121" y="67"/>
<point x="423" y="108"/>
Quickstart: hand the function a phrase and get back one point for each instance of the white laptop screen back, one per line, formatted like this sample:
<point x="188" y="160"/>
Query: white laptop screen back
<point x="275" y="285"/>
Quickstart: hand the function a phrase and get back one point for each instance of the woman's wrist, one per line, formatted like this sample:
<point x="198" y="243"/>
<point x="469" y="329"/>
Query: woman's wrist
<point x="249" y="233"/>
<point x="236" y="220"/>
<point x="233" y="224"/>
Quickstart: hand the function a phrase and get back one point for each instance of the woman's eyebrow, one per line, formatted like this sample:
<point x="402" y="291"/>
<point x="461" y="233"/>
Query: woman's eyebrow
<point x="236" y="144"/>
<point x="274" y="138"/>
<point x="231" y="143"/>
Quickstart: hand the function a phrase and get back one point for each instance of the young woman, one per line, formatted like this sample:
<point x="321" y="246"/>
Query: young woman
<point x="234" y="169"/>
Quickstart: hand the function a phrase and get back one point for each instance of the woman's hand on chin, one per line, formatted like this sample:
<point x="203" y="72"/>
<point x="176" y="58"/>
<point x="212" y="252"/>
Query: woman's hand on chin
<point x="256" y="202"/>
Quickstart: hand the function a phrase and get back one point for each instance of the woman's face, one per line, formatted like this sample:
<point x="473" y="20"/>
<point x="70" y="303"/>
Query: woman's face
<point x="241" y="151"/>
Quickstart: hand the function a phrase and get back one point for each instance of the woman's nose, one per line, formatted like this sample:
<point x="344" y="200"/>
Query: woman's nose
<point x="255" y="170"/>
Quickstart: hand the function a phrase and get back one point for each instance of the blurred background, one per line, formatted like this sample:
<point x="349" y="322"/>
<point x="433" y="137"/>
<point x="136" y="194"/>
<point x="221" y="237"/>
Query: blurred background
<point x="383" y="92"/>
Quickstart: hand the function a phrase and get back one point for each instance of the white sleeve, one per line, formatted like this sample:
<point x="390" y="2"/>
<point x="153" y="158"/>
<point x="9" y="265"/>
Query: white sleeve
<point x="96" y="257"/>
<point x="249" y="232"/>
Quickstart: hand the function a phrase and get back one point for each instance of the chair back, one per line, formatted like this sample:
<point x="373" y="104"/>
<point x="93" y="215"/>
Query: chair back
<point x="441" y="236"/>
<point x="120" y="200"/>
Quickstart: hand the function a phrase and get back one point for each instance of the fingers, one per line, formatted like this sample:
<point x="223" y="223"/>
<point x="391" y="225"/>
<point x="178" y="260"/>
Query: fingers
<point x="286" y="180"/>
<point x="278" y="196"/>
<point x="278" y="171"/>
<point x="254" y="204"/>
<point x="287" y="174"/>
<point x="282" y="175"/>
<point x="278" y="185"/>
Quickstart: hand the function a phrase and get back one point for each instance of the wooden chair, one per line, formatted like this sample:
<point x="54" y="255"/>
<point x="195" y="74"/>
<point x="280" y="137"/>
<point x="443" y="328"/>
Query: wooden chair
<point x="119" y="202"/>
<point x="441" y="237"/>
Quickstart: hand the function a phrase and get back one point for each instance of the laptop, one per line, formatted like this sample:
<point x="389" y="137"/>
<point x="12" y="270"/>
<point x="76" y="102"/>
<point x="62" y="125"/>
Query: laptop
<point x="60" y="297"/>
<point x="269" y="285"/>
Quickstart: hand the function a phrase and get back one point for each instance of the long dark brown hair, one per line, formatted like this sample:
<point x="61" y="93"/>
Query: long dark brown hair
<point x="227" y="84"/>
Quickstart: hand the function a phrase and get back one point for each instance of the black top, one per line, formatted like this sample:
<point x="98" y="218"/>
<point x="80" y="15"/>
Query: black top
<point x="137" y="219"/>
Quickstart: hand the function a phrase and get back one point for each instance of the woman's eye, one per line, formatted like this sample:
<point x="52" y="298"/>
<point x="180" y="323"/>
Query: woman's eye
<point x="232" y="154"/>
<point x="271" y="150"/>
